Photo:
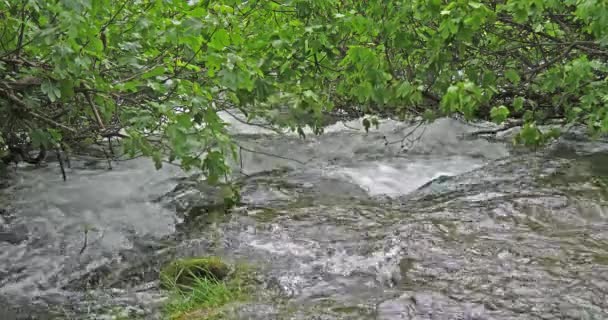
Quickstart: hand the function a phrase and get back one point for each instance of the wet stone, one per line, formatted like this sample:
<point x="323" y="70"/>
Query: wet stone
<point x="11" y="237"/>
<point x="15" y="236"/>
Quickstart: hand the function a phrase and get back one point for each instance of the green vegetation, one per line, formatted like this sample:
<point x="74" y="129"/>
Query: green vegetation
<point x="155" y="73"/>
<point x="201" y="302"/>
<point x="201" y="286"/>
<point x="184" y="272"/>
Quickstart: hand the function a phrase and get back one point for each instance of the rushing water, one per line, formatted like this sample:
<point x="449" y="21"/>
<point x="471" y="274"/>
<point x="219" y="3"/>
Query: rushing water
<point x="346" y="225"/>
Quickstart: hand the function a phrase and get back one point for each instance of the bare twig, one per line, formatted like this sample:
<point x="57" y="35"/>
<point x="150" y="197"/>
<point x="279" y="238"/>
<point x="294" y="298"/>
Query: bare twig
<point x="407" y="135"/>
<point x="272" y="155"/>
<point x="263" y="126"/>
<point x="95" y="111"/>
<point x="552" y="61"/>
<point x="27" y="110"/>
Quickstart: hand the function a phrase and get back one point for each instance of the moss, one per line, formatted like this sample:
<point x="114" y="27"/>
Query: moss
<point x="210" y="285"/>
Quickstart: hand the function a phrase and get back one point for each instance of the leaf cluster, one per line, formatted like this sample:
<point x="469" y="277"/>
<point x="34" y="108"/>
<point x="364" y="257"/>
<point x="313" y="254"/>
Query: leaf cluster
<point x="157" y="72"/>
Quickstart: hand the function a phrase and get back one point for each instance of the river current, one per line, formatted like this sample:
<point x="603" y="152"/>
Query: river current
<point x="346" y="225"/>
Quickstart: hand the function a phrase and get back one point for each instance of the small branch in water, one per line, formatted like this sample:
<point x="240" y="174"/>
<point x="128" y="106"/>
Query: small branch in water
<point x="349" y="127"/>
<point x="60" y="159"/>
<point x="506" y="127"/>
<point x="516" y="123"/>
<point x="107" y="158"/>
<point x="241" y="156"/>
<point x="243" y="173"/>
<point x="67" y="156"/>
<point x="110" y="146"/>
<point x="86" y="240"/>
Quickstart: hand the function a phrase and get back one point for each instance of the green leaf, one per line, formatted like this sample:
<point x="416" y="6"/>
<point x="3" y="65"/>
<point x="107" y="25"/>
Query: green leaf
<point x="518" y="104"/>
<point x="230" y="79"/>
<point x="154" y="72"/>
<point x="528" y="116"/>
<point x="220" y="40"/>
<point x="513" y="76"/>
<point x="499" y="114"/>
<point x="429" y="115"/>
<point x="96" y="45"/>
<point x="530" y="135"/>
<point x="39" y="138"/>
<point x="55" y="134"/>
<point x="184" y="121"/>
<point x="51" y="89"/>
<point x="66" y="89"/>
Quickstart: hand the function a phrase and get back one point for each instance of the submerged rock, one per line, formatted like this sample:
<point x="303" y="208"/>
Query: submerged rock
<point x="193" y="196"/>
<point x="14" y="235"/>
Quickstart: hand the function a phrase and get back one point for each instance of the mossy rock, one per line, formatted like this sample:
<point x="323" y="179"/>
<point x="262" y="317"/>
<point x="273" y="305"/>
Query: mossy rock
<point x="185" y="272"/>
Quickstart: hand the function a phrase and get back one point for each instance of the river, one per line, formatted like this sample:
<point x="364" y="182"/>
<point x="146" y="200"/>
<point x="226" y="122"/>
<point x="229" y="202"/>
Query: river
<point x="346" y="225"/>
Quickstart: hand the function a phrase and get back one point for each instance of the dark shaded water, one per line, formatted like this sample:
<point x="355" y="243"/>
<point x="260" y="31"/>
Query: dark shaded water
<point x="357" y="232"/>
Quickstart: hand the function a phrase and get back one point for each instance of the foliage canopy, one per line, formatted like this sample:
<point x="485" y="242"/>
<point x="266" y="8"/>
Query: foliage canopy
<point x="157" y="72"/>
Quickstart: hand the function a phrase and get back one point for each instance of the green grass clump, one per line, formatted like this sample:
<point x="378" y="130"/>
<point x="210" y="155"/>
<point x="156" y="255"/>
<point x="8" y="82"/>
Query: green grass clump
<point x="201" y="302"/>
<point x="199" y="287"/>
<point x="185" y="272"/>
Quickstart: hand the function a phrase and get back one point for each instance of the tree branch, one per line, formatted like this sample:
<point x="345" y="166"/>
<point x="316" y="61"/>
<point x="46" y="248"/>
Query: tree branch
<point x="27" y="110"/>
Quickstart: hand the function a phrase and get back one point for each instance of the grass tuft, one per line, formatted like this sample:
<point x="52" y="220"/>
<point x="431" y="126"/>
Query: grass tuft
<point x="203" y="296"/>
